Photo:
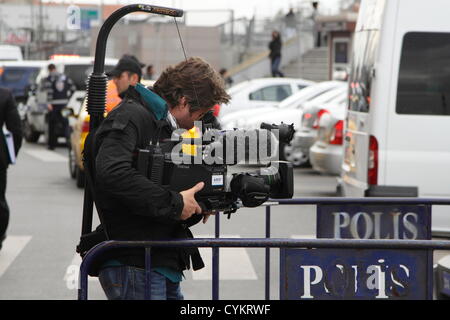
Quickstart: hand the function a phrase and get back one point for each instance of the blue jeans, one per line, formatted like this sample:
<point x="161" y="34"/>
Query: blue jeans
<point x="275" y="65"/>
<point x="128" y="283"/>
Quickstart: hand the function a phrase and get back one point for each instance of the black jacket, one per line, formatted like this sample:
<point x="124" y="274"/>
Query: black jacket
<point x="275" y="48"/>
<point x="9" y="116"/>
<point x="133" y="207"/>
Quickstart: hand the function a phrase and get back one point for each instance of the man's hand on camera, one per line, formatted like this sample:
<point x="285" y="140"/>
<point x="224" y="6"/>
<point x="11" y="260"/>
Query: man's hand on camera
<point x="190" y="205"/>
<point x="207" y="214"/>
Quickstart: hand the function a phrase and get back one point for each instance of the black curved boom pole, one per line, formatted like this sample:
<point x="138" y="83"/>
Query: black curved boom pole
<point x="116" y="16"/>
<point x="97" y="83"/>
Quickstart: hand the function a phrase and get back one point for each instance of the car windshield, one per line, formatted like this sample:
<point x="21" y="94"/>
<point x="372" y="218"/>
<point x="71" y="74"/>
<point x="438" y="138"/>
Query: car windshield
<point x="79" y="73"/>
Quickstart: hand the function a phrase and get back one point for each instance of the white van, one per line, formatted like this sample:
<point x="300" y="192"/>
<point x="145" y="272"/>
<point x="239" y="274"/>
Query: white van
<point x="398" y="122"/>
<point x="10" y="53"/>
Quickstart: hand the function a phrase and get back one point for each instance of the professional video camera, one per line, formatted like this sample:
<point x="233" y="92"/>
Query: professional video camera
<point x="204" y="155"/>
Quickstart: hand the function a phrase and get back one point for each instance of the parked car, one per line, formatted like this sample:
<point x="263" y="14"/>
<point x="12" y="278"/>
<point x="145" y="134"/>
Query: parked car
<point x="327" y="152"/>
<point x="398" y="122"/>
<point x="35" y="116"/>
<point x="75" y="102"/>
<point x="306" y="135"/>
<point x="240" y="119"/>
<point x="79" y="129"/>
<point x="19" y="76"/>
<point x="293" y="113"/>
<point x="257" y="93"/>
<point x="290" y="152"/>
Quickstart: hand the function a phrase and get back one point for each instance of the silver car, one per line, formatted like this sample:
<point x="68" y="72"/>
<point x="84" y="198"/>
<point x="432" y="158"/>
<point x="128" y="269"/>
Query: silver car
<point x="327" y="152"/>
<point x="307" y="135"/>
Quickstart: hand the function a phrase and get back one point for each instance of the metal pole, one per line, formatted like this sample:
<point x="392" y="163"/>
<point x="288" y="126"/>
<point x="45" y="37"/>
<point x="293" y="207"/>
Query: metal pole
<point x="215" y="261"/>
<point x="148" y="274"/>
<point x="41" y="30"/>
<point x="232" y="27"/>
<point x="83" y="279"/>
<point x="100" y="249"/>
<point x="268" y="254"/>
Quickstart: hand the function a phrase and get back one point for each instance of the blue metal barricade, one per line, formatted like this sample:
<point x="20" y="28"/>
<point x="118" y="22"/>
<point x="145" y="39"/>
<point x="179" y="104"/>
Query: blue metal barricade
<point x="216" y="243"/>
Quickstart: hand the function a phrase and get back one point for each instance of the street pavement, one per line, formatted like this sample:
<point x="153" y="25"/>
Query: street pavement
<point x="38" y="259"/>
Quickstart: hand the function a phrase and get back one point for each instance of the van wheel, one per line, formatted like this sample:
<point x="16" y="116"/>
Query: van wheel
<point x="72" y="163"/>
<point x="28" y="132"/>
<point x="79" y="177"/>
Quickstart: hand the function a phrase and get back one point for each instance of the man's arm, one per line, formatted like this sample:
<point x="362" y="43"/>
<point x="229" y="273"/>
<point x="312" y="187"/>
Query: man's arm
<point x="12" y="121"/>
<point x="116" y="175"/>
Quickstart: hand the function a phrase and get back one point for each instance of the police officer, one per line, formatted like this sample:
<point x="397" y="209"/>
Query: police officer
<point x="9" y="116"/>
<point x="59" y="88"/>
<point x="132" y="206"/>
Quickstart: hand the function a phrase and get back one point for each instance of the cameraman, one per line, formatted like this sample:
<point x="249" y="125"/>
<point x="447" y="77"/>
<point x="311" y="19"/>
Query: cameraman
<point x="133" y="207"/>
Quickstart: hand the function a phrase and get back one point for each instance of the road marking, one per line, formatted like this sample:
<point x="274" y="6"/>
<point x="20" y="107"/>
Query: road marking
<point x="73" y="272"/>
<point x="234" y="263"/>
<point x="12" y="246"/>
<point x="46" y="156"/>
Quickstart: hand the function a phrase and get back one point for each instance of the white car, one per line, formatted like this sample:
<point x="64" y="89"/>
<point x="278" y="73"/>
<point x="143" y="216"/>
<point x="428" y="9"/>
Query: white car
<point x="75" y="101"/>
<point x="258" y="93"/>
<point x="327" y="152"/>
<point x="243" y="119"/>
<point x="293" y="114"/>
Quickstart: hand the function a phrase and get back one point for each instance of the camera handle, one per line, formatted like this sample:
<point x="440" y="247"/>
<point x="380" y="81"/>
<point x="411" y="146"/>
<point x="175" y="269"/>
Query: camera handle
<point x="206" y="205"/>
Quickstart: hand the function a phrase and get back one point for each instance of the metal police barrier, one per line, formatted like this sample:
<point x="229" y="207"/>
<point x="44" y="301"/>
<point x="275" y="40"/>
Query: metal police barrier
<point x="396" y="262"/>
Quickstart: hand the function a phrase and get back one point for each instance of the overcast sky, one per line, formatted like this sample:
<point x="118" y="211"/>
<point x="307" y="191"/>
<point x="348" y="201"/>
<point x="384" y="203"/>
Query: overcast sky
<point x="247" y="8"/>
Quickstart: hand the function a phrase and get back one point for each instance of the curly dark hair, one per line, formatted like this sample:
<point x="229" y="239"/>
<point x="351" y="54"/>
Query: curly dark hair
<point x="195" y="80"/>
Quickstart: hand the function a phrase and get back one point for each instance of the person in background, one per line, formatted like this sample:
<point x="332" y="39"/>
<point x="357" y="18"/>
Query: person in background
<point x="226" y="78"/>
<point x="9" y="116"/>
<point x="59" y="88"/>
<point x="290" y="21"/>
<point x="275" y="54"/>
<point x="126" y="73"/>
<point x="149" y="73"/>
<point x="316" y="31"/>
